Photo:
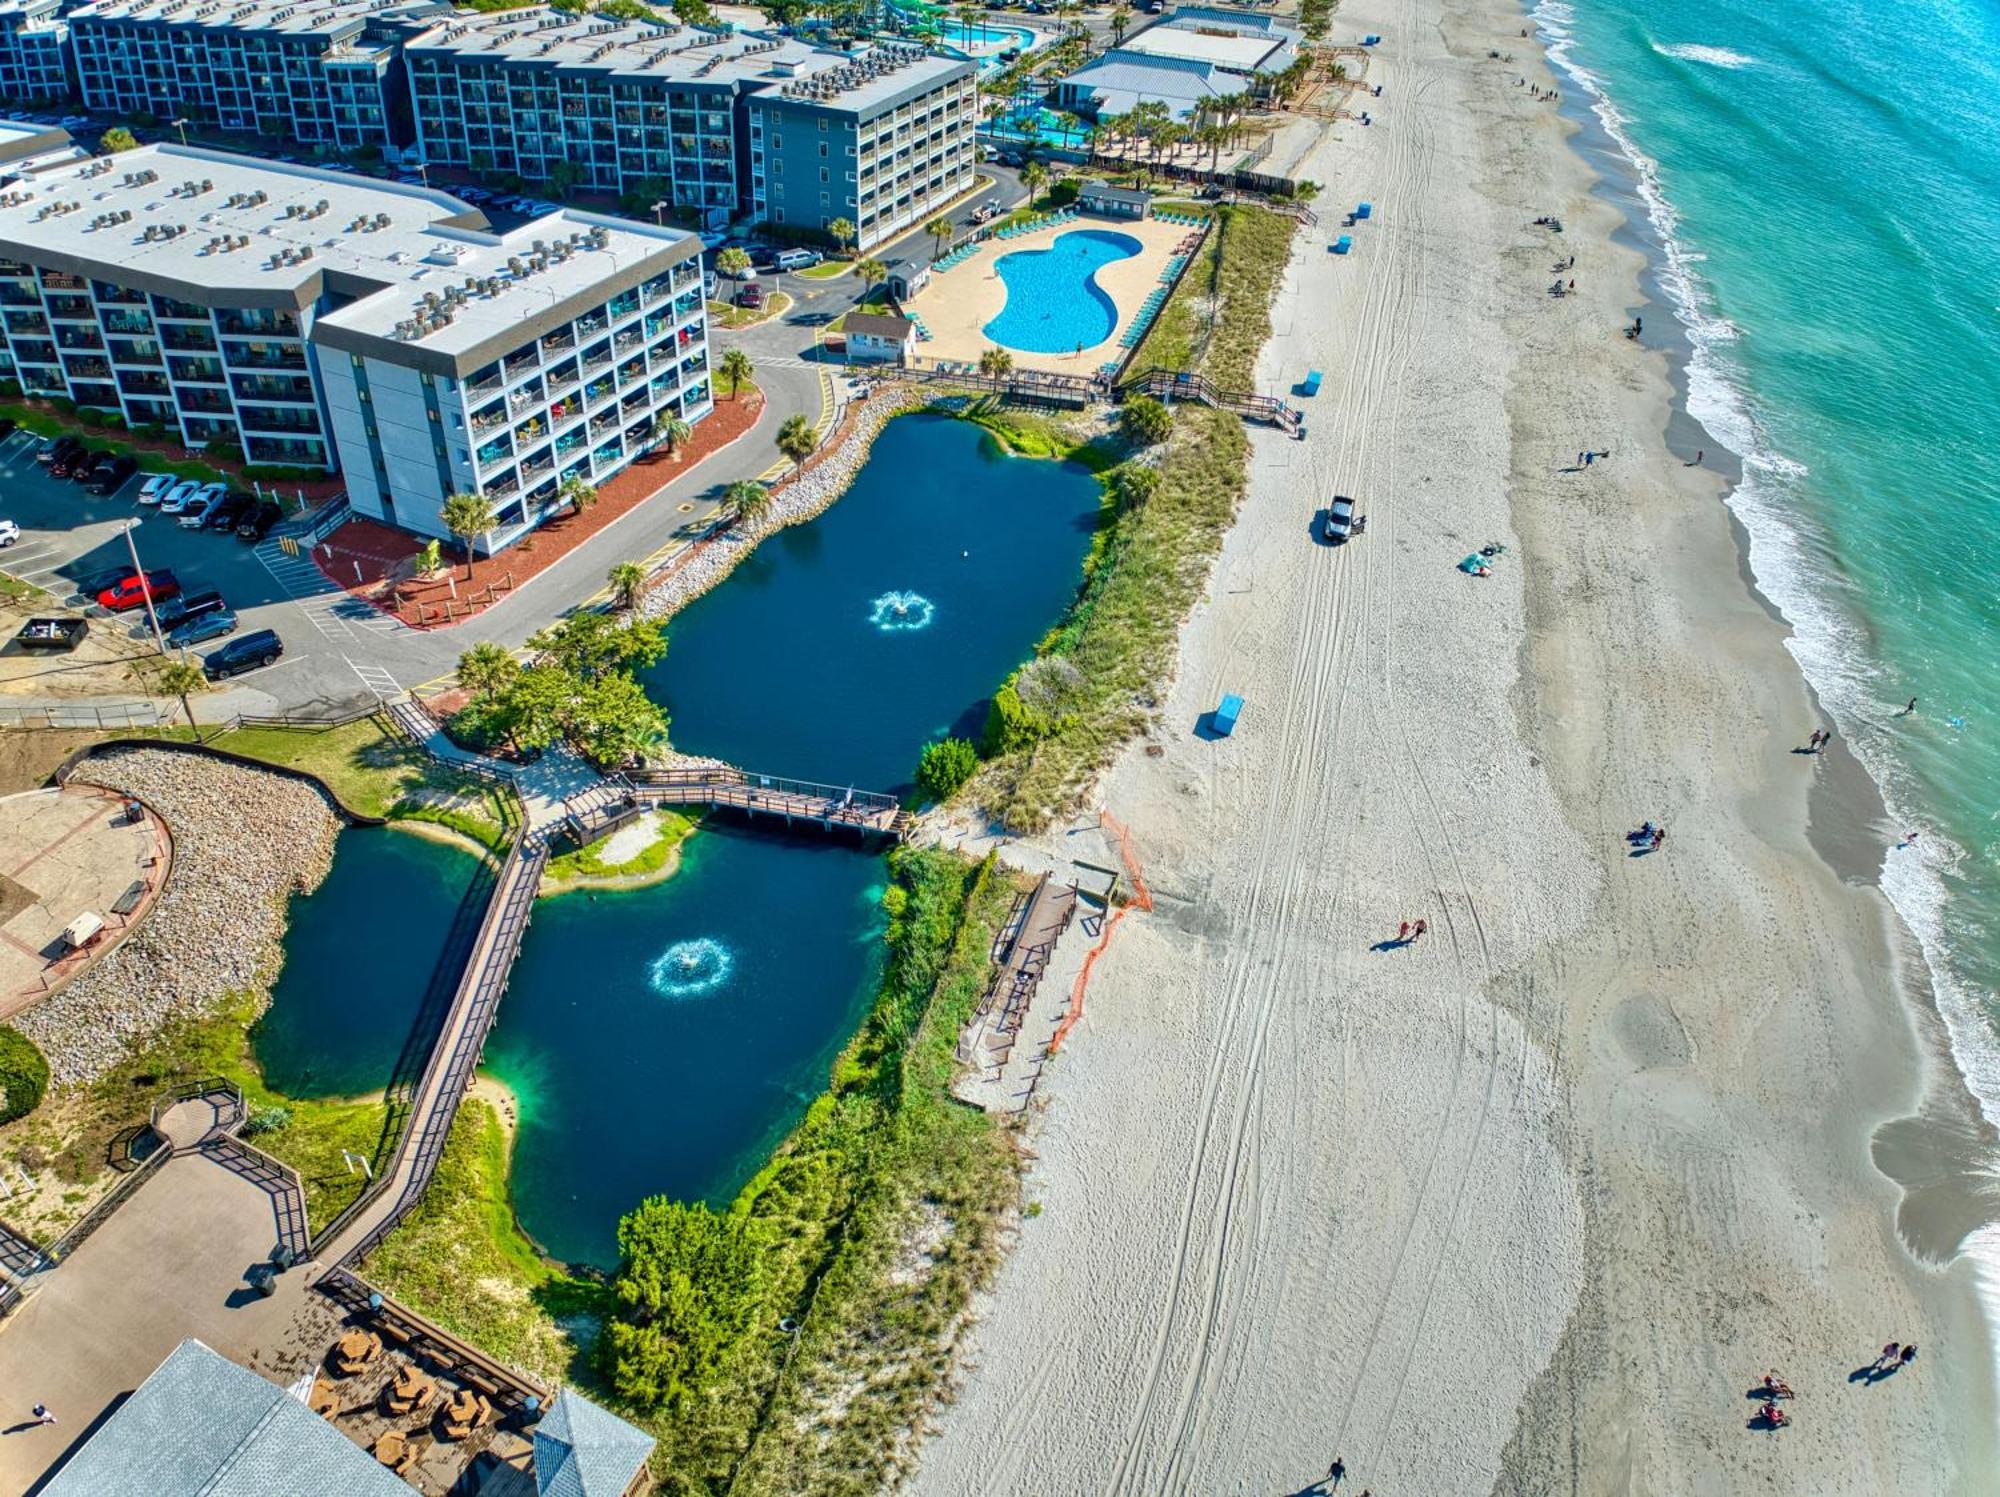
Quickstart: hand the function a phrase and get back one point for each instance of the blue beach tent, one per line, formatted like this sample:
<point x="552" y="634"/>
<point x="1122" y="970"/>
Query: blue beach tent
<point x="1224" y="720"/>
<point x="1342" y="245"/>
<point x="1364" y="210"/>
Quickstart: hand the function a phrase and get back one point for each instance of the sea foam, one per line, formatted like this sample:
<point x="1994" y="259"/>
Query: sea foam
<point x="1715" y="57"/>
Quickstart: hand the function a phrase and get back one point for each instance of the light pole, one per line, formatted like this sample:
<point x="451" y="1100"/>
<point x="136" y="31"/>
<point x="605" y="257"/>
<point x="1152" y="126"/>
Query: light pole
<point x="660" y="213"/>
<point x="182" y="126"/>
<point x="145" y="585"/>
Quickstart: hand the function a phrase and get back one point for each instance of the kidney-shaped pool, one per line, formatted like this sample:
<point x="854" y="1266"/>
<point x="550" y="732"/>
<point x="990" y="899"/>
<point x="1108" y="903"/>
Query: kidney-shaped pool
<point x="1054" y="304"/>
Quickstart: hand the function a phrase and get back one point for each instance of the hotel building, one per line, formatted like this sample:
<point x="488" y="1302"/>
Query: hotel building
<point x="310" y="72"/>
<point x="34" y="52"/>
<point x="310" y="318"/>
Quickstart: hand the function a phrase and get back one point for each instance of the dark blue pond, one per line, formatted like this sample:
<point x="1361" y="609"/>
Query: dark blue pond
<point x="842" y="646"/>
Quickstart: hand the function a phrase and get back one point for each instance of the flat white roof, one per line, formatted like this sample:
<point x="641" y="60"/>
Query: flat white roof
<point x="220" y="229"/>
<point x="1243" y="53"/>
<point x="290" y="17"/>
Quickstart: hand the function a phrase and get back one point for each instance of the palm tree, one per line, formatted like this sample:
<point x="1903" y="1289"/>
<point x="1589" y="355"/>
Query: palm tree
<point x="842" y="230"/>
<point x="1034" y="177"/>
<point x="578" y="492"/>
<point x="671" y="429"/>
<point x="797" y="439"/>
<point x="940" y="230"/>
<point x="733" y="261"/>
<point x="628" y="586"/>
<point x="996" y="363"/>
<point x="487" y="668"/>
<point x="736" y="368"/>
<point x="468" y="516"/>
<point x="872" y="272"/>
<point x="747" y="499"/>
<point x="1120" y="19"/>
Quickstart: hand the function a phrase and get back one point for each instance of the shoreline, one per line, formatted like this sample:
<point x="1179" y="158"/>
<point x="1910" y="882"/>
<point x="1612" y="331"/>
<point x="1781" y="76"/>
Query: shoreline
<point x="1586" y="1162"/>
<point x="1939" y="1150"/>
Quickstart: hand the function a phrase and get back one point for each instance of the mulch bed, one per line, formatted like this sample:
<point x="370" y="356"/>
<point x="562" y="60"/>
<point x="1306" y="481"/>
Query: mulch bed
<point x="372" y="561"/>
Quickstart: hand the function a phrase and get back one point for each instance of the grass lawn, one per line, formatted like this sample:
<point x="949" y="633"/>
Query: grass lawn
<point x="732" y="318"/>
<point x="460" y="1258"/>
<point x="376" y="771"/>
<point x="672" y="829"/>
<point x="76" y="1132"/>
<point x="826" y="270"/>
<point x="15" y="590"/>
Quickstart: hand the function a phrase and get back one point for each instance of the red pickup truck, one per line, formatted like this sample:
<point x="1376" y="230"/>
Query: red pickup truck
<point x="131" y="593"/>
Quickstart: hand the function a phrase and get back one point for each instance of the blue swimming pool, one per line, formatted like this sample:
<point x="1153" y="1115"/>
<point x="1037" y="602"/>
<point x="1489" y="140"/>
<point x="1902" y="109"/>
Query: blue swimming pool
<point x="1054" y="304"/>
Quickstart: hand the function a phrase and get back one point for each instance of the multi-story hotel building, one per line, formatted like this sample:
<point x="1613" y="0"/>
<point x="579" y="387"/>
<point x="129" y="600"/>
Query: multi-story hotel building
<point x="883" y="138"/>
<point x="311" y="318"/>
<point x="34" y="52"/>
<point x="314" y="72"/>
<point x="723" y="124"/>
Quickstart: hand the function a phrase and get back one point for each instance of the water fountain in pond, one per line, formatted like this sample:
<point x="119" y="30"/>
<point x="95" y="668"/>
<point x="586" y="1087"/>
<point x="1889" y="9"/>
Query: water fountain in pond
<point x="901" y="613"/>
<point x="690" y="969"/>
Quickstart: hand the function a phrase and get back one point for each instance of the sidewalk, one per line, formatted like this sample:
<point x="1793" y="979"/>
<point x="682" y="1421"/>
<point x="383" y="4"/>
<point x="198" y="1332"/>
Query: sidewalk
<point x="373" y="562"/>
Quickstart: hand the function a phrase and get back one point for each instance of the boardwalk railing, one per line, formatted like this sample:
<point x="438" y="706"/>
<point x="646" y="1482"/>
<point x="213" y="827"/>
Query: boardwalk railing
<point x="1181" y="384"/>
<point x="775" y="795"/>
<point x="365" y="1223"/>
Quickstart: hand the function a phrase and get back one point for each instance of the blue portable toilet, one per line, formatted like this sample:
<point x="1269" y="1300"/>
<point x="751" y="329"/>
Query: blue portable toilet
<point x="1370" y="41"/>
<point x="1225" y="715"/>
<point x="1342" y="245"/>
<point x="1311" y="386"/>
<point x="1364" y="210"/>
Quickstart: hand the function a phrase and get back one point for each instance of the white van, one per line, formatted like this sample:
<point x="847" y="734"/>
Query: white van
<point x="798" y="259"/>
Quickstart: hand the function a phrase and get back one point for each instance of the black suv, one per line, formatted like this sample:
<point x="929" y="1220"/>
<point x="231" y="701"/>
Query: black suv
<point x="257" y="524"/>
<point x="235" y="506"/>
<point x="246" y="652"/>
<point x="109" y="477"/>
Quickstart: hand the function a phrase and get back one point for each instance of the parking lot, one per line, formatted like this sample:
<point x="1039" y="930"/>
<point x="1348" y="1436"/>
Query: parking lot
<point x="70" y="537"/>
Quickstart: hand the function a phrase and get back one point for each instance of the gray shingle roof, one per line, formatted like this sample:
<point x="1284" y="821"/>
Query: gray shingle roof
<point x="584" y="1451"/>
<point x="202" y="1425"/>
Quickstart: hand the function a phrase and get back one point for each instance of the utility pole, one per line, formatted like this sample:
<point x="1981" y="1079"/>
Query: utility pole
<point x="145" y="585"/>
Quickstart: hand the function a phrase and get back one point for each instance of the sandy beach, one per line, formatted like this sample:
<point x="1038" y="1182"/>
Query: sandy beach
<point x="1529" y="1205"/>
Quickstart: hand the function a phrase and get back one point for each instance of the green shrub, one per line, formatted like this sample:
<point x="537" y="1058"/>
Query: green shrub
<point x="480" y="725"/>
<point x="1145" y="421"/>
<point x="24" y="1075"/>
<point x="944" y="766"/>
<point x="1011" y="724"/>
<point x="266" y="1120"/>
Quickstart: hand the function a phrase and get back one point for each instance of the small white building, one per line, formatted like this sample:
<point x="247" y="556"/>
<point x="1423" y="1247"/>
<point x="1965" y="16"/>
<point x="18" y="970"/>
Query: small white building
<point x="874" y="335"/>
<point x="1108" y="201"/>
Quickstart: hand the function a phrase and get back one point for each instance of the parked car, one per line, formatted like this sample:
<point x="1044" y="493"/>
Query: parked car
<point x="986" y="211"/>
<point x="157" y="486"/>
<point x="66" y="464"/>
<point x="131" y="591"/>
<point x="206" y="503"/>
<point x="110" y="477"/>
<point x="257" y="524"/>
<point x="10" y="532"/>
<point x="177" y="611"/>
<point x="184" y="494"/>
<point x="1010" y="158"/>
<point x="60" y="450"/>
<point x="763" y="256"/>
<point x="202" y="627"/>
<point x="234" y="506"/>
<point x="750" y="294"/>
<point x="1339" y="519"/>
<point x="798" y="258"/>
<point x="245" y="652"/>
<point x="83" y="466"/>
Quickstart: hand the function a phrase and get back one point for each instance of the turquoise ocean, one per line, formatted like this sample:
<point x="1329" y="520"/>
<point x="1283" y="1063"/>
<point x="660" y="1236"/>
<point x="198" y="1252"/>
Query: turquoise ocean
<point x="1820" y="186"/>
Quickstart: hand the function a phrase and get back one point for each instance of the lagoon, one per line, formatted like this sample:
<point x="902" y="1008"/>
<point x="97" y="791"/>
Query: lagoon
<point x="362" y="984"/>
<point x="842" y="646"/>
<point x="663" y="1040"/>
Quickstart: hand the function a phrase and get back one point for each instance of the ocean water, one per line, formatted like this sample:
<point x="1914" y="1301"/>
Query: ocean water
<point x="1825" y="181"/>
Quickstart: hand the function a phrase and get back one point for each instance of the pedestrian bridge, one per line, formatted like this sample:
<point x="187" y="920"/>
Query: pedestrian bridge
<point x="605" y="807"/>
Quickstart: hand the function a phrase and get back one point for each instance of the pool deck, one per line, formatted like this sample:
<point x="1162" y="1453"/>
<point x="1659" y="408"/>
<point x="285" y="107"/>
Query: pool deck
<point x="959" y="302"/>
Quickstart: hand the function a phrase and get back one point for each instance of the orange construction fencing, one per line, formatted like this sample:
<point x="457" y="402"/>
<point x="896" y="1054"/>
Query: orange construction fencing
<point x="1142" y="900"/>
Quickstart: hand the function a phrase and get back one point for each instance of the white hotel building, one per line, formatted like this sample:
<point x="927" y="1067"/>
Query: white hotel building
<point x="310" y="318"/>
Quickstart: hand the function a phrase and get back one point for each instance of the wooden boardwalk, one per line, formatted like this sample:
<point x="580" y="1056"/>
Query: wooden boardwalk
<point x="606" y="807"/>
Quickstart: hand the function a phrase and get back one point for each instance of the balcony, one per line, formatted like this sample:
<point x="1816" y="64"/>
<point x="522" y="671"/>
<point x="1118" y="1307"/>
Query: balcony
<point x="494" y="454"/>
<point x="197" y="371"/>
<point x="145" y="384"/>
<point x="521" y="361"/>
<point x="87" y="368"/>
<point x="129" y="323"/>
<point x="188" y="339"/>
<point x="257" y="322"/>
<point x="489" y="418"/>
<point x="31" y="324"/>
<point x="72" y="308"/>
<point x="558" y="343"/>
<point x="203" y="402"/>
<point x="542" y="462"/>
<point x="526" y="398"/>
<point x="79" y="338"/>
<point x="264" y="418"/>
<point x="261" y="387"/>
<point x="265" y="356"/>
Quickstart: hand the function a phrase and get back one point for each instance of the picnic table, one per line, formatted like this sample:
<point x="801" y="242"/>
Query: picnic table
<point x="354" y="1351"/>
<point x="464" y="1412"/>
<point x="410" y="1390"/>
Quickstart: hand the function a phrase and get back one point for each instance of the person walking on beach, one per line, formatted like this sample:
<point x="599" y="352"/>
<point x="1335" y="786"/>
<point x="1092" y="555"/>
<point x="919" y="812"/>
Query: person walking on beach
<point x="1888" y="1357"/>
<point x="1659" y="836"/>
<point x="1417" y="931"/>
<point x="1335" y="1472"/>
<point x="1907" y="1355"/>
<point x="42" y="1414"/>
<point x="1403" y="933"/>
<point x="1908" y="708"/>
